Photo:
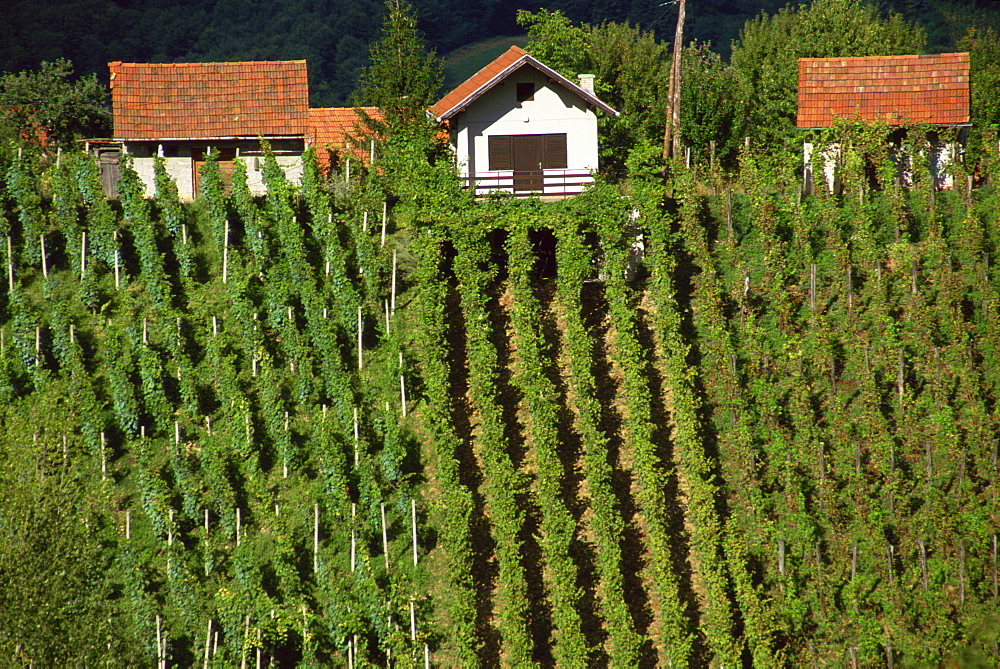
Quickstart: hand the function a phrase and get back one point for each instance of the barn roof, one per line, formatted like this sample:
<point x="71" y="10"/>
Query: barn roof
<point x="209" y="100"/>
<point x="929" y="89"/>
<point x="493" y="74"/>
<point x="332" y="127"/>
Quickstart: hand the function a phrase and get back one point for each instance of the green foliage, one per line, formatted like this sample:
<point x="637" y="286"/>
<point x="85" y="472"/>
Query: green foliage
<point x="403" y="77"/>
<point x="983" y="45"/>
<point x="48" y="108"/>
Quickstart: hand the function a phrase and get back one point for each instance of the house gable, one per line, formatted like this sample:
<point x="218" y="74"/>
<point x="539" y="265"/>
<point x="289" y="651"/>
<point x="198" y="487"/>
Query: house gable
<point x="925" y="89"/>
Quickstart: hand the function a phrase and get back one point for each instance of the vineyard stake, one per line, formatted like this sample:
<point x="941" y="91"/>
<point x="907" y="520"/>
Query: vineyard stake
<point x="850" y="291"/>
<point x="118" y="280"/>
<point x="225" y="255"/>
<point x="385" y="219"/>
<point x="315" y="540"/>
<point x="258" y="649"/>
<point x="961" y="571"/>
<point x="83" y="257"/>
<point x="360" y="350"/>
<point x="393" y="304"/>
<point x="854" y="561"/>
<point x="889" y="552"/>
<point x="994" y="570"/>
<point x="413" y="622"/>
<point x="246" y="635"/>
<point x="354" y="545"/>
<point x="899" y="379"/>
<point x="104" y="457"/>
<point x="357" y="435"/>
<point x="184" y="234"/>
<point x="413" y="516"/>
<point x="427" y="650"/>
<point x="238" y="524"/>
<point x="387" y="316"/>
<point x="145" y="330"/>
<point x="729" y="210"/>
<point x="45" y="265"/>
<point x="10" y="265"/>
<point x="208" y="642"/>
<point x="781" y="556"/>
<point x="159" y="642"/>
<point x="385" y="539"/>
<point x="364" y="222"/>
<point x="402" y="385"/>
<point x="923" y="563"/>
<point x="215" y="326"/>
<point x="128" y="524"/>
<point x="347" y="172"/>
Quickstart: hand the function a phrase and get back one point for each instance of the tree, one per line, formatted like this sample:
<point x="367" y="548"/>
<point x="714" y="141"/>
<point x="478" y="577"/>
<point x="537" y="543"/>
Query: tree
<point x="983" y="45"/>
<point x="403" y="77"/>
<point x="767" y="52"/>
<point x="46" y="107"/>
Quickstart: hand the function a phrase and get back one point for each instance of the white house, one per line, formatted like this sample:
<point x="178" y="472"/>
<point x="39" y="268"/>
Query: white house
<point x="180" y="111"/>
<point x="519" y="126"/>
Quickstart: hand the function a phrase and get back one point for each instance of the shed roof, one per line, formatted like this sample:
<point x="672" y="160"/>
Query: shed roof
<point x="332" y="127"/>
<point x="209" y="100"/>
<point x="506" y="64"/>
<point x="927" y="89"/>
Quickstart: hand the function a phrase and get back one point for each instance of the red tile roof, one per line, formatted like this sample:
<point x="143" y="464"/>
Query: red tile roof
<point x="894" y="89"/>
<point x="488" y="77"/>
<point x="332" y="127"/>
<point x="209" y="100"/>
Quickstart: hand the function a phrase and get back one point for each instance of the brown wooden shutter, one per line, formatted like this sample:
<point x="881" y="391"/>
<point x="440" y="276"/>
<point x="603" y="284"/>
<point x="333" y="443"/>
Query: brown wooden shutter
<point x="555" y="152"/>
<point x="500" y="152"/>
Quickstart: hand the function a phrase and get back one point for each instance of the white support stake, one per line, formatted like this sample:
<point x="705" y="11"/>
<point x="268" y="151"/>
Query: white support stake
<point x="159" y="641"/>
<point x="357" y="435"/>
<point x="354" y="544"/>
<point x="225" y="255"/>
<point x="387" y="316"/>
<point x="413" y="517"/>
<point x="104" y="457"/>
<point x="413" y="621"/>
<point x="402" y="385"/>
<point x="315" y="542"/>
<point x="83" y="254"/>
<point x="238" y="524"/>
<point x="10" y="263"/>
<point x="145" y="330"/>
<point x="364" y="222"/>
<point x="208" y="642"/>
<point x="385" y="219"/>
<point x="128" y="524"/>
<point x="427" y="657"/>
<point x="360" y="351"/>
<point x="385" y="539"/>
<point x="393" y="304"/>
<point x="45" y="264"/>
<point x="118" y="275"/>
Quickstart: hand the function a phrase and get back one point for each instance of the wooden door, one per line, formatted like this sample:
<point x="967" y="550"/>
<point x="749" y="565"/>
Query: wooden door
<point x="227" y="164"/>
<point x="528" y="158"/>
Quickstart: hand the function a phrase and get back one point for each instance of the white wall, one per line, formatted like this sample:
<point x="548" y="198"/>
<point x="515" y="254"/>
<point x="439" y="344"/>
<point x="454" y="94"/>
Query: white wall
<point x="181" y="170"/>
<point x="554" y="110"/>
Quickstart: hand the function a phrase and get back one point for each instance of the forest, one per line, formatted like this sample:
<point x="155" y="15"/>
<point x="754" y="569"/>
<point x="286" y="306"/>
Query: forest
<point x="705" y="413"/>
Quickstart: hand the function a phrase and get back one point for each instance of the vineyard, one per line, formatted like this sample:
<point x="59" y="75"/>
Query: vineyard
<point x="355" y="422"/>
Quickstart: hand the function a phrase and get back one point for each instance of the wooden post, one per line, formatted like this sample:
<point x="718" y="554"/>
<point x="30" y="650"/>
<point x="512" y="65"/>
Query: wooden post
<point x="246" y="635"/>
<point x="913" y="277"/>
<point x="402" y="385"/>
<point x="225" y="254"/>
<point x="128" y="524"/>
<point x="354" y="544"/>
<point x="850" y="291"/>
<point x="854" y="561"/>
<point x="10" y="264"/>
<point x="729" y="209"/>
<point x="392" y="304"/>
<point x="994" y="569"/>
<point x="900" y="379"/>
<point x="857" y="458"/>
<point x="385" y="539"/>
<point x="45" y="265"/>
<point x="781" y="556"/>
<point x="427" y="657"/>
<point x="184" y="234"/>
<point x="889" y="554"/>
<point x="385" y="220"/>
<point x="413" y="622"/>
<point x="923" y="563"/>
<point x="104" y="457"/>
<point x="159" y="641"/>
<point x="315" y="538"/>
<point x="360" y="350"/>
<point x="208" y="642"/>
<point x="812" y="287"/>
<point x="364" y="222"/>
<point x="822" y="462"/>
<point x="413" y="517"/>
<point x="145" y="330"/>
<point x="83" y="255"/>
<point x="671" y="134"/>
<point x="357" y="436"/>
<point x="239" y="522"/>
<point x="387" y="316"/>
<point x="711" y="155"/>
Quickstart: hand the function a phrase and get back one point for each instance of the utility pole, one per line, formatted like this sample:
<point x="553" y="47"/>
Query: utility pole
<point x="672" y="131"/>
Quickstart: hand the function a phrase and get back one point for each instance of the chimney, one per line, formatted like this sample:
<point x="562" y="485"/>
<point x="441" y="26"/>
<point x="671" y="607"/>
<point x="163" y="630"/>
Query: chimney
<point x="587" y="82"/>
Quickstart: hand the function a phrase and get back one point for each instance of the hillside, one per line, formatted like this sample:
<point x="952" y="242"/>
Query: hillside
<point x="368" y="420"/>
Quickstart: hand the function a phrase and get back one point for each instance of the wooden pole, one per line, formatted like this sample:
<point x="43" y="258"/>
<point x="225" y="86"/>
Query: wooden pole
<point x="159" y="641"/>
<point x="413" y="621"/>
<point x="671" y="134"/>
<point x="104" y="457"/>
<point x="394" y="264"/>
<point x="128" y="524"/>
<point x="354" y="543"/>
<point x="413" y="518"/>
<point x="385" y="539"/>
<point x="45" y="265"/>
<point x="360" y="350"/>
<point x="315" y="540"/>
<point x="225" y="255"/>
<point x="385" y="220"/>
<point x="208" y="642"/>
<point x="83" y="255"/>
<point x="402" y="385"/>
<point x="357" y="436"/>
<point x="239" y="522"/>
<point x="923" y="563"/>
<point x="10" y="264"/>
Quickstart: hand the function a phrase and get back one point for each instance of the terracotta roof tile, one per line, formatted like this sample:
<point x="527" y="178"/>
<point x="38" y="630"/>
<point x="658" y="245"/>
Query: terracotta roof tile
<point x="896" y="89"/>
<point x="333" y="127"/>
<point x="477" y="81"/>
<point x="206" y="100"/>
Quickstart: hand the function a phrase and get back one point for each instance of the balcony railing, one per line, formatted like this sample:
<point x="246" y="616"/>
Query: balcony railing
<point x="530" y="183"/>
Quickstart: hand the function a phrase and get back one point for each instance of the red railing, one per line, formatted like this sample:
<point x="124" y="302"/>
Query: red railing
<point x="530" y="183"/>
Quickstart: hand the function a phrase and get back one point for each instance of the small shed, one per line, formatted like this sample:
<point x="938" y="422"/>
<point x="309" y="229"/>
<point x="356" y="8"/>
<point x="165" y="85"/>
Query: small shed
<point x="181" y="111"/>
<point x="926" y="90"/>
<point x="519" y="126"/>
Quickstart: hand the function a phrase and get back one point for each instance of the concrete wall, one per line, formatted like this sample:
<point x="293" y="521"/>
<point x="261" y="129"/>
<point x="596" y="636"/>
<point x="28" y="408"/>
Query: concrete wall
<point x="554" y="110"/>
